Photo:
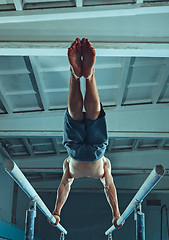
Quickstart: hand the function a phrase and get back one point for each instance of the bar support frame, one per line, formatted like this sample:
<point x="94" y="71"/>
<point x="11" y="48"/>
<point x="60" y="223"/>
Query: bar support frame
<point x="110" y="236"/>
<point x="140" y="222"/>
<point x="13" y="170"/>
<point x="62" y="236"/>
<point x="154" y="177"/>
<point x="30" y="220"/>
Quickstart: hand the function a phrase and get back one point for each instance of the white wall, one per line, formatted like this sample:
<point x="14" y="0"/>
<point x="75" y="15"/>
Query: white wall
<point x="6" y="194"/>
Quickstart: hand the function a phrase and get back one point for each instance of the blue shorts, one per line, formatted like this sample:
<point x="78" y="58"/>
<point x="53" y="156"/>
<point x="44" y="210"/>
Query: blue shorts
<point x="85" y="141"/>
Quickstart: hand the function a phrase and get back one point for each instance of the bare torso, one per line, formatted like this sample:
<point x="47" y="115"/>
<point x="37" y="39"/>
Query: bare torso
<point x="86" y="169"/>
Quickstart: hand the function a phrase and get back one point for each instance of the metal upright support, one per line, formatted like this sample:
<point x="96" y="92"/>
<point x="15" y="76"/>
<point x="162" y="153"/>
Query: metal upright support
<point x="140" y="223"/>
<point x="13" y="170"/>
<point x="110" y="236"/>
<point x="150" y="182"/>
<point x="30" y="220"/>
<point x="62" y="236"/>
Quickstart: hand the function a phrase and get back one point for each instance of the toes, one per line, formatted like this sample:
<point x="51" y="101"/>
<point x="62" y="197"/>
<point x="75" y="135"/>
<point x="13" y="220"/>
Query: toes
<point x="83" y="45"/>
<point x="78" y="44"/>
<point x="70" y="52"/>
<point x="73" y="46"/>
<point x="92" y="50"/>
<point x="78" y="40"/>
<point x="87" y="41"/>
<point x="83" y="40"/>
<point x="87" y="47"/>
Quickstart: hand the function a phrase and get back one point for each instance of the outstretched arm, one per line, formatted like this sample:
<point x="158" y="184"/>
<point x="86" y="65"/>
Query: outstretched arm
<point x="63" y="191"/>
<point x="110" y="192"/>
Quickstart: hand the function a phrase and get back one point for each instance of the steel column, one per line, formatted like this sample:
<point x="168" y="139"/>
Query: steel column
<point x="30" y="221"/>
<point x="62" y="236"/>
<point x="149" y="183"/>
<point x="13" y="170"/>
<point x="140" y="223"/>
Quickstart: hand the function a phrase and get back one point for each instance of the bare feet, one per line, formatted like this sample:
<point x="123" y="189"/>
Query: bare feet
<point x="74" y="56"/>
<point x="89" y="54"/>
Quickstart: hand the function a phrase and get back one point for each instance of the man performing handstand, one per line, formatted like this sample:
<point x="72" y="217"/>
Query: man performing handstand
<point x="85" y="134"/>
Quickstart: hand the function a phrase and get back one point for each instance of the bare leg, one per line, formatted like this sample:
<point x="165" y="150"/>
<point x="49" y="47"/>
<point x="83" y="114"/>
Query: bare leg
<point x="75" y="99"/>
<point x="92" y="100"/>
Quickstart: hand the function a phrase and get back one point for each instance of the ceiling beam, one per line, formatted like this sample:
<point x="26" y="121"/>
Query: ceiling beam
<point x="97" y="66"/>
<point x="119" y="160"/>
<point x="55" y="133"/>
<point x="2" y="158"/>
<point x="102" y="49"/>
<point x="162" y="143"/>
<point x="119" y="171"/>
<point x="18" y="5"/>
<point x="133" y="122"/>
<point x="7" y="105"/>
<point x="13" y="71"/>
<point x="33" y="64"/>
<point x="83" y="13"/>
<point x="111" y="143"/>
<point x="4" y="152"/>
<point x="135" y="144"/>
<point x="161" y="84"/>
<point x="79" y="3"/>
<point x="28" y="146"/>
<point x="123" y="181"/>
<point x="39" y="81"/>
<point x="43" y="1"/>
<point x="125" y="76"/>
<point x="125" y="167"/>
<point x="139" y="1"/>
<point x="56" y="145"/>
<point x="6" y="2"/>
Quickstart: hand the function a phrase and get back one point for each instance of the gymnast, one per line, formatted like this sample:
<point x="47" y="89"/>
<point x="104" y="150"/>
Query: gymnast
<point x="85" y="133"/>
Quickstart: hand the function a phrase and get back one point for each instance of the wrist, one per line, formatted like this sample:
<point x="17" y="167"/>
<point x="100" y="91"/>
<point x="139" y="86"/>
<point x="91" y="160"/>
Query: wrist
<point x="56" y="213"/>
<point x="116" y="214"/>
